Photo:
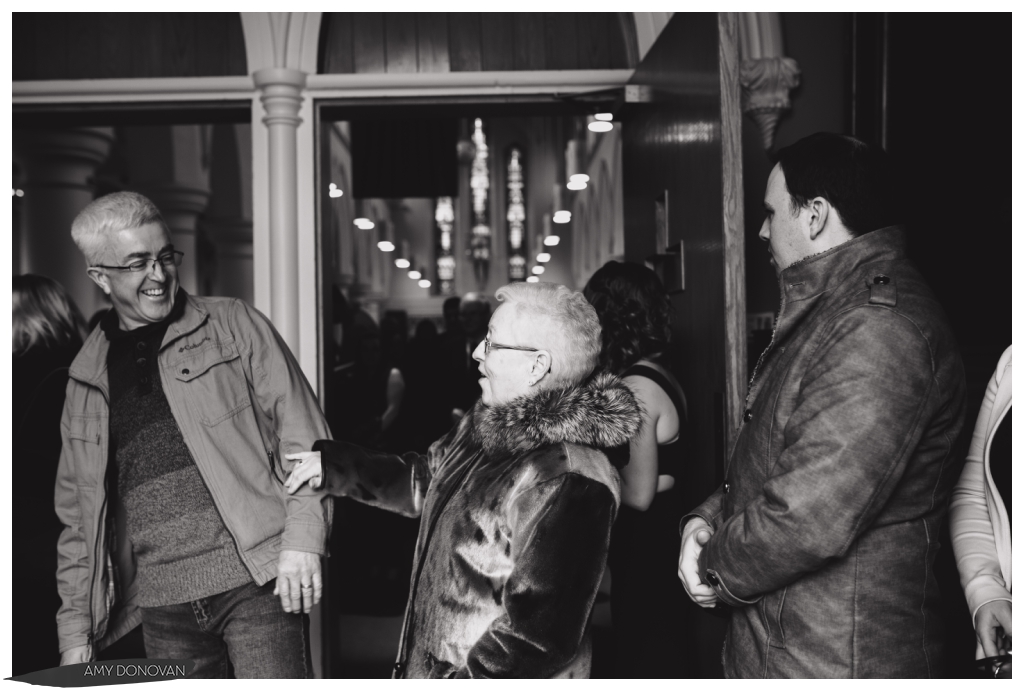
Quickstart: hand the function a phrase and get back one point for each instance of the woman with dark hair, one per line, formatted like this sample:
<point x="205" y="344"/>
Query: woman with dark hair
<point x="47" y="333"/>
<point x="647" y="602"/>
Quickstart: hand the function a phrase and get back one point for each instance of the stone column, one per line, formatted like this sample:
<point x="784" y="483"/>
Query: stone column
<point x="281" y="94"/>
<point x="58" y="166"/>
<point x="180" y="205"/>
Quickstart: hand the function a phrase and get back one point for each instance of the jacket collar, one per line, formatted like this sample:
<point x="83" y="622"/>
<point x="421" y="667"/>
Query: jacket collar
<point x="601" y="412"/>
<point x="90" y="367"/>
<point x="820" y="273"/>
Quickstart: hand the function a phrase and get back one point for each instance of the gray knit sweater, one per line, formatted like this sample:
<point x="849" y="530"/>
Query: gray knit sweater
<point x="182" y="549"/>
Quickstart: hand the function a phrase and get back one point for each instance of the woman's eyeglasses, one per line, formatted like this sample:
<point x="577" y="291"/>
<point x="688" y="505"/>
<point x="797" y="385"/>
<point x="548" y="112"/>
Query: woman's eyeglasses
<point x="488" y="346"/>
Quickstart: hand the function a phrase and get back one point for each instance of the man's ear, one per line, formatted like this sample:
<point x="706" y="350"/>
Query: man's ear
<point x="818" y="210"/>
<point x="100" y="278"/>
<point x="541" y="366"/>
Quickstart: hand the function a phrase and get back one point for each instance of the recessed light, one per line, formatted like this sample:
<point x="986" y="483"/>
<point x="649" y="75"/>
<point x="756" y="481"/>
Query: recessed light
<point x="600" y="126"/>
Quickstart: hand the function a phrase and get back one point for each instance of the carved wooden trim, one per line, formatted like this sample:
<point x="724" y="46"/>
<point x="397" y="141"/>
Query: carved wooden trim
<point x="732" y="225"/>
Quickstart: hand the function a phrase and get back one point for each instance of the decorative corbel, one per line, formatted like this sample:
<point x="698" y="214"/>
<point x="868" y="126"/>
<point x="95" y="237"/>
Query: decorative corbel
<point x="766" y="75"/>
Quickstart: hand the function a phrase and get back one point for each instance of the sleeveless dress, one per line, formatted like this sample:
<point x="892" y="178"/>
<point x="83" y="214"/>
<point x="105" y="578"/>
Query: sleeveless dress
<point x="648" y="603"/>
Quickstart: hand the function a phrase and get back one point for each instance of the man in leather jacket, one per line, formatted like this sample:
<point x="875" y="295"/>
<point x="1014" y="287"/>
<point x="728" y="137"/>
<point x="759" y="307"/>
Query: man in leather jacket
<point x="822" y="539"/>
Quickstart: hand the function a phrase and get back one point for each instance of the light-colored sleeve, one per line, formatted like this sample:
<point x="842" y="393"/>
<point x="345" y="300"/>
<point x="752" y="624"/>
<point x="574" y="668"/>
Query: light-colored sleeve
<point x="970" y="523"/>
<point x="74" y="622"/>
<point x="287" y="400"/>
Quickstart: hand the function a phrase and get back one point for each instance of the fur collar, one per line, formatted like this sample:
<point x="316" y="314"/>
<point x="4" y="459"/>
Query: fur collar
<point x="601" y="412"/>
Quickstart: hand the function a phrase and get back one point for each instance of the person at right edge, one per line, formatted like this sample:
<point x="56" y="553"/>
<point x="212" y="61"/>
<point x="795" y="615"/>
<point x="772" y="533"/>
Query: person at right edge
<point x="822" y="538"/>
<point x="979" y="518"/>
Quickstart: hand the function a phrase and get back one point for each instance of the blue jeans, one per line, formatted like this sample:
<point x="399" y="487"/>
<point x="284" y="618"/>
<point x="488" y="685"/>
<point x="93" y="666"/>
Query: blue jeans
<point x="245" y="626"/>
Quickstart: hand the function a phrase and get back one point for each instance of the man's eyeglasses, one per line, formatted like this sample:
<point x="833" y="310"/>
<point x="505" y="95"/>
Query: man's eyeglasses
<point x="167" y="260"/>
<point x="488" y="346"/>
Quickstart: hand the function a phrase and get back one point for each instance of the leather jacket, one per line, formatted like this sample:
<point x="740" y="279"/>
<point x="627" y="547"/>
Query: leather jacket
<point x="517" y="505"/>
<point x="828" y="523"/>
<point x="241" y="403"/>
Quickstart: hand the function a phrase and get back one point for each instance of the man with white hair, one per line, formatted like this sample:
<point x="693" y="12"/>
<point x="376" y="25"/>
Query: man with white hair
<point x="178" y="414"/>
<point x="516" y="502"/>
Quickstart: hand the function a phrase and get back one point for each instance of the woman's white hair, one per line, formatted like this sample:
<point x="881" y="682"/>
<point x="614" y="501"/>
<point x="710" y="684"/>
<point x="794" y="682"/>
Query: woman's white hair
<point x="573" y="332"/>
<point x="108" y="215"/>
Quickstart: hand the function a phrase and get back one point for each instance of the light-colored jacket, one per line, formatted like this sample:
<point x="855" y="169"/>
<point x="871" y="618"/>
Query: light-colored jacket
<point x="979" y="525"/>
<point x="241" y="403"/>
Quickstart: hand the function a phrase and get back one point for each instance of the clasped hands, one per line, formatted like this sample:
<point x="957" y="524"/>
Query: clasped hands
<point x="696" y="534"/>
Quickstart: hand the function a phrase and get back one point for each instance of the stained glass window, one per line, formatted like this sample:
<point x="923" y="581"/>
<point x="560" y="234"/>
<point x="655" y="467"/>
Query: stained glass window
<point x="516" y="215"/>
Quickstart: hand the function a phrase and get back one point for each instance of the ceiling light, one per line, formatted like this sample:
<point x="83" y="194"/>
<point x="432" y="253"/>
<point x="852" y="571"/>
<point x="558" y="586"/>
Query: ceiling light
<point x="579" y="177"/>
<point x="576" y="185"/>
<point x="551" y="240"/>
<point x="363" y="223"/>
<point x="385" y="246"/>
<point x="18" y="193"/>
<point x="543" y="257"/>
<point x="415" y="275"/>
<point x="424" y="283"/>
<point x="600" y="126"/>
<point x="603" y="116"/>
<point x="559" y="218"/>
<point x="334" y="192"/>
<point x="532" y="279"/>
<point x="538" y="270"/>
<point x="402" y="263"/>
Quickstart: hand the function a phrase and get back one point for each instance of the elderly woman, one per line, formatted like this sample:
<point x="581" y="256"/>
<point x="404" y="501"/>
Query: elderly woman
<point x="517" y="501"/>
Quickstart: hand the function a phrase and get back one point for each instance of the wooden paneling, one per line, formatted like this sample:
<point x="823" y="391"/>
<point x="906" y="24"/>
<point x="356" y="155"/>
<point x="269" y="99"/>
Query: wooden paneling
<point x="400" y="41"/>
<point x="560" y="46"/>
<point x="368" y="42"/>
<point x="592" y="35"/>
<point x="179" y="44"/>
<point x="529" y="47"/>
<point x="468" y="42"/>
<point x="105" y="45"/>
<point x="432" y="44"/>
<point x="464" y="41"/>
<point x="51" y="36"/>
<point x="497" y="41"/>
<point x="674" y="145"/>
<point x="336" y="32"/>
<point x="80" y="40"/>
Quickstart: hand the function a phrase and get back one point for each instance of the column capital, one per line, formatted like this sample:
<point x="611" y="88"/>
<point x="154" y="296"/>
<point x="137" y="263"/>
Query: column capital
<point x="66" y="158"/>
<point x="766" y="83"/>
<point x="281" y="94"/>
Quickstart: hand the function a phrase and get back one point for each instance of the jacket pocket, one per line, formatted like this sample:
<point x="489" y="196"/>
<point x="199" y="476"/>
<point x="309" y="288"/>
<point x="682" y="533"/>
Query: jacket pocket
<point x="772" y="606"/>
<point x="215" y="383"/>
<point x="87" y="429"/>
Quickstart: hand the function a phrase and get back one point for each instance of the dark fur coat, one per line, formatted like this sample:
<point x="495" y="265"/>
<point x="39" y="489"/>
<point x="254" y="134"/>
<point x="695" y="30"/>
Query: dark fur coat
<point x="517" y="505"/>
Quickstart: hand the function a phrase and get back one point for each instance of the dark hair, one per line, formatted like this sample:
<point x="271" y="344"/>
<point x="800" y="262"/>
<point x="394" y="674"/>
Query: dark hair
<point x="633" y="308"/>
<point x="43" y="315"/>
<point x="854" y="177"/>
